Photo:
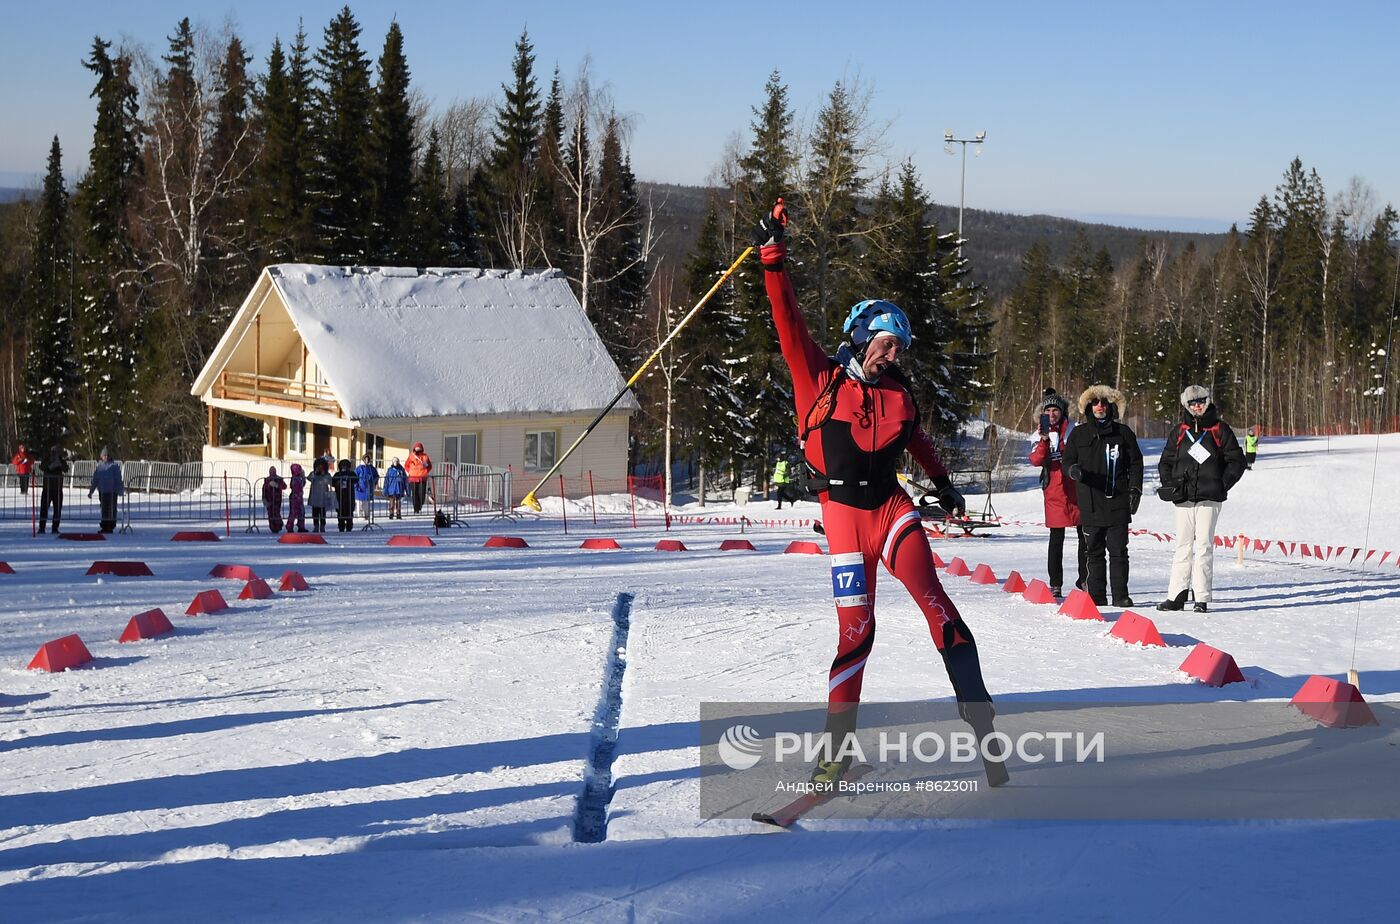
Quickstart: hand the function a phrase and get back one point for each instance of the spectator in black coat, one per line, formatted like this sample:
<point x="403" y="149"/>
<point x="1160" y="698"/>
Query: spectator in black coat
<point x="1200" y="463"/>
<point x="1103" y="458"/>
<point x="54" y="469"/>
<point x="343" y="483"/>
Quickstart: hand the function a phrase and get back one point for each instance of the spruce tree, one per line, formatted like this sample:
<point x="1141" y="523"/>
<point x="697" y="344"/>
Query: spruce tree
<point x="506" y="198"/>
<point x="433" y="215"/>
<point x="464" y="244"/>
<point x="904" y="269"/>
<point x="107" y="326"/>
<point x="621" y="269"/>
<point x="50" y="373"/>
<point x="767" y="172"/>
<point x="1302" y="207"/>
<point x="720" y="386"/>
<point x="341" y="183"/>
<point x="232" y="150"/>
<point x="393" y="153"/>
<point x="1021" y="353"/>
<point x="560" y="246"/>
<point x="517" y="131"/>
<point x="281" y="210"/>
<point x="834" y="185"/>
<point x="1375" y="279"/>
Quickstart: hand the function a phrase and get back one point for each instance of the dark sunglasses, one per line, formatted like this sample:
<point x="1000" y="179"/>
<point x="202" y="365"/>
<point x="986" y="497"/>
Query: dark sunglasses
<point x="1103" y="401"/>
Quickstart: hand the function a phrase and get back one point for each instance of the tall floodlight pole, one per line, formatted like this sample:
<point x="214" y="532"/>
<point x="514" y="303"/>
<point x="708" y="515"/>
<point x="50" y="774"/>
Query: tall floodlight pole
<point x="948" y="142"/>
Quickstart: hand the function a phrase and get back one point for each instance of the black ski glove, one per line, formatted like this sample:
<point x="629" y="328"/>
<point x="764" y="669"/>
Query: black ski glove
<point x="1076" y="473"/>
<point x="948" y="497"/>
<point x="1134" y="498"/>
<point x="768" y="238"/>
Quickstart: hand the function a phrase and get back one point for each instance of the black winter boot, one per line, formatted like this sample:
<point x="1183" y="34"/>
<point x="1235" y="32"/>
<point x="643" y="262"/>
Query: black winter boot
<point x="1174" y="603"/>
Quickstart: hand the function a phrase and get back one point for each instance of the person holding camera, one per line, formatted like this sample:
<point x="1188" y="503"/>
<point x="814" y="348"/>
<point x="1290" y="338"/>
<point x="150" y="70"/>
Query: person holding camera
<point x="1200" y="463"/>
<point x="857" y="417"/>
<point x="1103" y="458"/>
<point x="1061" y="505"/>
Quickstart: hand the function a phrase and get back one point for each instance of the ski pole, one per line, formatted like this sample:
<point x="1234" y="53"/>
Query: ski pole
<point x="529" y="500"/>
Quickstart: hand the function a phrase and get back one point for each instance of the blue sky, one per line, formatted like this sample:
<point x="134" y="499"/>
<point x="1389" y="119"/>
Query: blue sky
<point x="1160" y="115"/>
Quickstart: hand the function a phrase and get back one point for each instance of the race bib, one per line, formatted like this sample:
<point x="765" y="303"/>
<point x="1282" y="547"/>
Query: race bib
<point x="1200" y="453"/>
<point x="848" y="579"/>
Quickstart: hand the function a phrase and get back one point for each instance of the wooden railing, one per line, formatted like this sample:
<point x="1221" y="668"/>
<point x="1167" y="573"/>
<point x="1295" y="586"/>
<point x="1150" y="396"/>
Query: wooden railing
<point x="269" y="389"/>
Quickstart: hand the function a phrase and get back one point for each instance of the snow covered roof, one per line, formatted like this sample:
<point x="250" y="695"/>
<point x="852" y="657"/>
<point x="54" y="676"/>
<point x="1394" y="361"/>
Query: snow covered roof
<point x="407" y="342"/>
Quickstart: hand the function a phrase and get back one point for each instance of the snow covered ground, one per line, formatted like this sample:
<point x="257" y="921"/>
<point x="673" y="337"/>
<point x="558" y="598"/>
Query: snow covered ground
<point x="408" y="739"/>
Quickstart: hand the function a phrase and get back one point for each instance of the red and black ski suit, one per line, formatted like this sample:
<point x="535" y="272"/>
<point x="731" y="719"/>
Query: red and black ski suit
<point x="867" y="516"/>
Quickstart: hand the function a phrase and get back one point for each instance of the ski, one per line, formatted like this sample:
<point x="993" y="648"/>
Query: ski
<point x="790" y="813"/>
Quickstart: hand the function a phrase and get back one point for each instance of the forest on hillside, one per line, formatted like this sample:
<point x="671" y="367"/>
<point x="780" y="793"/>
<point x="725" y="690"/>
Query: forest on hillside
<point x="206" y="165"/>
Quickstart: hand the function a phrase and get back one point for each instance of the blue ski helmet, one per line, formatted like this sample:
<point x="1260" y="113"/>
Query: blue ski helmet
<point x="877" y="316"/>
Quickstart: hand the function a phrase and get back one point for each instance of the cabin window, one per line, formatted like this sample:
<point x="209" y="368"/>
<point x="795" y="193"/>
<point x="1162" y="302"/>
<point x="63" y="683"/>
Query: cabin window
<point x="540" y="448"/>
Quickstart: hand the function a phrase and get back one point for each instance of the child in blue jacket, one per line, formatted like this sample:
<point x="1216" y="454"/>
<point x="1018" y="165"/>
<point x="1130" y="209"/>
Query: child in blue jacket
<point x="395" y="487"/>
<point x="366" y="479"/>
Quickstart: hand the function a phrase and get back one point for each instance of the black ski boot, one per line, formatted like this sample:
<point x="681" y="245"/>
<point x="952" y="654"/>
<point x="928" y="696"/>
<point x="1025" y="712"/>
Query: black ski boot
<point x="974" y="702"/>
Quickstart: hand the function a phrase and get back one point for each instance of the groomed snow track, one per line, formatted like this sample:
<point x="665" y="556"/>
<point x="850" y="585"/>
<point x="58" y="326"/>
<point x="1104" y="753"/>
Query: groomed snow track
<point x="591" y="816"/>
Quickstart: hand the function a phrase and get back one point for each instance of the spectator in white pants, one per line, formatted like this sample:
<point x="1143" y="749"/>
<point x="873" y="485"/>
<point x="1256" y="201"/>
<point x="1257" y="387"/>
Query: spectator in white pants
<point x="1200" y="463"/>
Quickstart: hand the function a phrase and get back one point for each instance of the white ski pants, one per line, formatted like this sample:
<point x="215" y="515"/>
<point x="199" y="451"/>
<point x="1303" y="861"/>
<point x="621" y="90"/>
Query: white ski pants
<point x="1193" y="565"/>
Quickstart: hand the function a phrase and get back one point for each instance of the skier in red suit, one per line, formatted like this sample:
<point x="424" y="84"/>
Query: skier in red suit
<point x="856" y="418"/>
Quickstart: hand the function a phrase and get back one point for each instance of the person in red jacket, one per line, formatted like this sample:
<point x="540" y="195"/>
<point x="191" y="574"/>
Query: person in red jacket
<point x="418" y="466"/>
<point x="24" y="467"/>
<point x="1061" y="505"/>
<point x="857" y="417"/>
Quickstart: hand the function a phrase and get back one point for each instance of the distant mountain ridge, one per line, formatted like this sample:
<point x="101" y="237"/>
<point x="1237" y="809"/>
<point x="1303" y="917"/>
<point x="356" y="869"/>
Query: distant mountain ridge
<point x="14" y="194"/>
<point x="996" y="241"/>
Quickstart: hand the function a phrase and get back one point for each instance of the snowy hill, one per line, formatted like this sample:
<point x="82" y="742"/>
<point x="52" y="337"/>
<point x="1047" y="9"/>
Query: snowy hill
<point x="409" y="739"/>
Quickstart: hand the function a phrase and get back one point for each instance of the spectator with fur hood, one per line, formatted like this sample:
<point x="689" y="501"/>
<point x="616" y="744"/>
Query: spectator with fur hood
<point x="1103" y="458"/>
<point x="1200" y="463"/>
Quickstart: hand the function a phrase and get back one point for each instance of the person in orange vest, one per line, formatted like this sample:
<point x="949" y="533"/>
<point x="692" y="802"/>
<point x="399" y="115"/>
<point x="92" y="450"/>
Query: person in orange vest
<point x="24" y="467"/>
<point x="418" y="466"/>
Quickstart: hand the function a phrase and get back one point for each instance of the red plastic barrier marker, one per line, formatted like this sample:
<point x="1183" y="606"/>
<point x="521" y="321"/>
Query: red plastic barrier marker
<point x="1015" y="584"/>
<point x="413" y="541"/>
<point x="121" y="568"/>
<point x="237" y="572"/>
<point x="1037" y="591"/>
<point x="958" y="568"/>
<point x="195" y="536"/>
<point x="5" y="568"/>
<point x="802" y="547"/>
<point x="983" y="574"/>
<point x="506" y="542"/>
<point x="737" y="545"/>
<point x="60" y="654"/>
<point x="83" y="537"/>
<point x="600" y="544"/>
<point x="206" y="601"/>
<point x="302" y="539"/>
<point x="671" y="545"/>
<point x="146" y="625"/>
<point x="1333" y="702"/>
<point x="939" y="562"/>
<point x="1211" y="666"/>
<point x="1079" y="605"/>
<point x="1135" y="629"/>
<point x="256" y="589"/>
<point x="292" y="580"/>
